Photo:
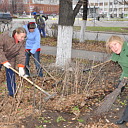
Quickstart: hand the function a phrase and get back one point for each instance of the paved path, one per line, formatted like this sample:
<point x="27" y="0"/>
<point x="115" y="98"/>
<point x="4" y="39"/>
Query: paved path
<point x="89" y="35"/>
<point x="96" y="56"/>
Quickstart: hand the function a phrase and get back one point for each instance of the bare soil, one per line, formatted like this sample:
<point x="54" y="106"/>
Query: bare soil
<point x="77" y="97"/>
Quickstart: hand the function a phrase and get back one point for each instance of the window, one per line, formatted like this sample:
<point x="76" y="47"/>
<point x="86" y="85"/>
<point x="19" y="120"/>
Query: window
<point x="115" y="9"/>
<point x="106" y="3"/>
<point x="110" y="3"/>
<point x="101" y="4"/>
<point x="110" y="10"/>
<point x="96" y="4"/>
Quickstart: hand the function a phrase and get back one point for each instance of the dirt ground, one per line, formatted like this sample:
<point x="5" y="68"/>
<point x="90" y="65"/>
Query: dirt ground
<point x="98" y="46"/>
<point x="78" y="94"/>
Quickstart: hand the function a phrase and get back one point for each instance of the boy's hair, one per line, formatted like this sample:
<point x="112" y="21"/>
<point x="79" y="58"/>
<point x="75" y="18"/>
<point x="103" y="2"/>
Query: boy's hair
<point x="31" y="25"/>
<point x="111" y="39"/>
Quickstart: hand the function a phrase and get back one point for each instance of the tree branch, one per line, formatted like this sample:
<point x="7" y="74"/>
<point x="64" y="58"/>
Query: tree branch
<point x="77" y="7"/>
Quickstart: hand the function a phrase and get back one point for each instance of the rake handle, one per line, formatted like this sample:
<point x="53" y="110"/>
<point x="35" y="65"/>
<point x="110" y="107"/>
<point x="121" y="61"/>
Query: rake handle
<point x="44" y="68"/>
<point x="96" y="66"/>
<point x="100" y="64"/>
<point x="31" y="82"/>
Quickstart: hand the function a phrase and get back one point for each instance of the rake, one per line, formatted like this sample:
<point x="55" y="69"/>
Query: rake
<point x="108" y="101"/>
<point x="85" y="70"/>
<point x="49" y="96"/>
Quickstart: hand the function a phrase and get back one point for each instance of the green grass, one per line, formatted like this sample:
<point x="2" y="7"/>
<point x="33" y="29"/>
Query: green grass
<point x="115" y="19"/>
<point x="106" y="29"/>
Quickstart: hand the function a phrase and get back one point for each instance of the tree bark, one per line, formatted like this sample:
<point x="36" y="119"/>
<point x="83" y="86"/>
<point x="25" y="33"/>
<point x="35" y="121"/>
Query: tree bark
<point x="83" y="25"/>
<point x="65" y="31"/>
<point x="82" y="31"/>
<point x="64" y="44"/>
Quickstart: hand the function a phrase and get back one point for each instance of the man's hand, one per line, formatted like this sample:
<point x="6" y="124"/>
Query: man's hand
<point x="7" y="65"/>
<point x="21" y="71"/>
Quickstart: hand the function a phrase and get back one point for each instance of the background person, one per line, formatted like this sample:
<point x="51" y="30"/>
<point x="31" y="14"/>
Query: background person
<point x="119" y="50"/>
<point x="32" y="48"/>
<point x="40" y="21"/>
<point x="12" y="47"/>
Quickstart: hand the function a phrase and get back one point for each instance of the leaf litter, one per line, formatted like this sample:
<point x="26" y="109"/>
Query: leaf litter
<point x="78" y="95"/>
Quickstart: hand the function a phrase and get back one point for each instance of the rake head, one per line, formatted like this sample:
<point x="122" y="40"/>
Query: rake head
<point x="50" y="97"/>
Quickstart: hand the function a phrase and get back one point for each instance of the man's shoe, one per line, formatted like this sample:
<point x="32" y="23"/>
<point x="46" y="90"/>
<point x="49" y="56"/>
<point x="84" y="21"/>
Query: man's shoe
<point x="119" y="122"/>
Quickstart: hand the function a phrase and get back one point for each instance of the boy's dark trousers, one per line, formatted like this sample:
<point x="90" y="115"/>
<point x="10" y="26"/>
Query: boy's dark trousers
<point x="36" y="61"/>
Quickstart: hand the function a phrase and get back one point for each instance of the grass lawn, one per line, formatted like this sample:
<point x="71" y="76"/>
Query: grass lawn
<point x="106" y="29"/>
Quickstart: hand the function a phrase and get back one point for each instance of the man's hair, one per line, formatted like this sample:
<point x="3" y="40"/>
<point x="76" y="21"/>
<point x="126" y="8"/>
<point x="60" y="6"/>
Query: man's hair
<point x="111" y="39"/>
<point x="31" y="25"/>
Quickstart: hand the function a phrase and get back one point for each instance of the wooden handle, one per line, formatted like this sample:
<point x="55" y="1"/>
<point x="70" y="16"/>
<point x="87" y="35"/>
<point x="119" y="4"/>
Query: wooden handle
<point x="31" y="82"/>
<point x="100" y="64"/>
<point x="85" y="70"/>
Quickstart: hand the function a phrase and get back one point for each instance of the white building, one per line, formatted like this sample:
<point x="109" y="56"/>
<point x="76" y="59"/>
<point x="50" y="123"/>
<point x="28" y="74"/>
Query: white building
<point x="113" y="8"/>
<point x="55" y="2"/>
<point x="109" y="8"/>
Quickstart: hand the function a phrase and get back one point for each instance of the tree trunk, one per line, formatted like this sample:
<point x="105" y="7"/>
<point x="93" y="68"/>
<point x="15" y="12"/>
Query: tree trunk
<point x="82" y="31"/>
<point x="65" y="31"/>
<point x="83" y="25"/>
<point x="64" y="45"/>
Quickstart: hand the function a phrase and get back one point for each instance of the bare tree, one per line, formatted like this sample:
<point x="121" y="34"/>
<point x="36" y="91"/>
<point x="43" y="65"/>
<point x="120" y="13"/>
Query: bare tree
<point x="14" y="6"/>
<point x="20" y="7"/>
<point x="36" y="9"/>
<point x="125" y="2"/>
<point x="17" y="6"/>
<point x="65" y="30"/>
<point x="4" y="6"/>
<point x="83" y="25"/>
<point x="122" y="2"/>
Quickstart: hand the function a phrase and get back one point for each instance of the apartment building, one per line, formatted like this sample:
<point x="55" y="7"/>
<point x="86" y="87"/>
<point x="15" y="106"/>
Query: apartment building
<point x="45" y="6"/>
<point x="112" y="8"/>
<point x="108" y="8"/>
<point x="29" y="6"/>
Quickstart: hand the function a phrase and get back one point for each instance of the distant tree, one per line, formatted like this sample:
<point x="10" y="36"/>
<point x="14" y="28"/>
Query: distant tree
<point x="20" y="7"/>
<point x="17" y="6"/>
<point x="36" y="9"/>
<point x="14" y="6"/>
<point x="4" y="6"/>
<point x="123" y="2"/>
<point x="84" y="20"/>
<point x="65" y="30"/>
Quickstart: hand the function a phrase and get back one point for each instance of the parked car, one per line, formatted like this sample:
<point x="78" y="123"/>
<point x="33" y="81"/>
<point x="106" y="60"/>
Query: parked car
<point x="5" y="17"/>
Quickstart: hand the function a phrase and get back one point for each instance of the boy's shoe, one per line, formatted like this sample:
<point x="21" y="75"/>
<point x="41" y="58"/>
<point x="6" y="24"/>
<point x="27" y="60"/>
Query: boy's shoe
<point x="26" y="75"/>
